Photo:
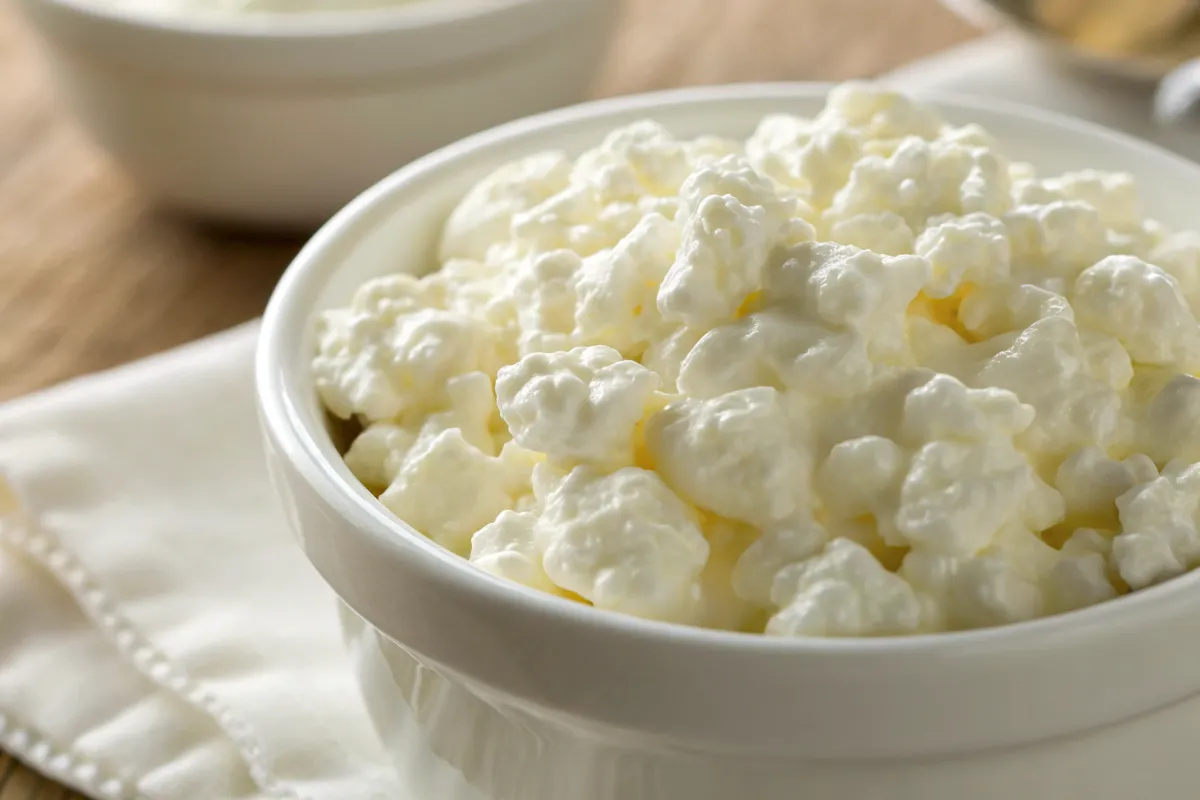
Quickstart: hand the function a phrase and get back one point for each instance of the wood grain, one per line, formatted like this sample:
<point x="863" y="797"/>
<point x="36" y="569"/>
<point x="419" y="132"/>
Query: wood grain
<point x="92" y="275"/>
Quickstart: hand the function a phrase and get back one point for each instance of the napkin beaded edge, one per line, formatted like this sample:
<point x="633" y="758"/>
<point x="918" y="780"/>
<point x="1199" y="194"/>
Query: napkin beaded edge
<point x="22" y="530"/>
<point x="66" y="766"/>
<point x="35" y="749"/>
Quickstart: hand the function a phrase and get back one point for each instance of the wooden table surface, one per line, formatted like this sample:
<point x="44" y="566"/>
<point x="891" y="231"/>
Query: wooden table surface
<point x="91" y="275"/>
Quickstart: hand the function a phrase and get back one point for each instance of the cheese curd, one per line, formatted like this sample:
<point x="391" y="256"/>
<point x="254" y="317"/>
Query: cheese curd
<point x="578" y="406"/>
<point x="857" y="375"/>
<point x="843" y="591"/>
<point x="623" y="541"/>
<point x="754" y="472"/>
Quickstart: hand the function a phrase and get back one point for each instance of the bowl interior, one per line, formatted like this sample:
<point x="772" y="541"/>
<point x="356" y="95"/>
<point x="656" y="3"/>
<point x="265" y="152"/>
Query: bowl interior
<point x="395" y="226"/>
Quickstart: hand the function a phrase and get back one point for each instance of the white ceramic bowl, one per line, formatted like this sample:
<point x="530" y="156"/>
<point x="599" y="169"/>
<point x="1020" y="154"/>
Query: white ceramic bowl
<point x="485" y="689"/>
<point x="279" y="120"/>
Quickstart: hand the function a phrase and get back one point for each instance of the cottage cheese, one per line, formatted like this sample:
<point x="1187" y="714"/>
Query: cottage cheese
<point x="857" y="375"/>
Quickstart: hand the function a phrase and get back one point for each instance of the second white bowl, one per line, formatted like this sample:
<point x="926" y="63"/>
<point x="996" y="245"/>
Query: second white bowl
<point x="279" y="120"/>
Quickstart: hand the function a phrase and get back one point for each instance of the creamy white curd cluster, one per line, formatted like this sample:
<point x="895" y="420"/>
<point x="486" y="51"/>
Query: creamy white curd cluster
<point x="857" y="375"/>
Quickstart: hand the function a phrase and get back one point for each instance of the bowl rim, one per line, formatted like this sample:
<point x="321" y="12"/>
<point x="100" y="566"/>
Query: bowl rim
<point x="398" y="17"/>
<point x="279" y="395"/>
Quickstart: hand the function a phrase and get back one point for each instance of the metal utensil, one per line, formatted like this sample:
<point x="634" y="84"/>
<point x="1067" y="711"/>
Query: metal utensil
<point x="1177" y="98"/>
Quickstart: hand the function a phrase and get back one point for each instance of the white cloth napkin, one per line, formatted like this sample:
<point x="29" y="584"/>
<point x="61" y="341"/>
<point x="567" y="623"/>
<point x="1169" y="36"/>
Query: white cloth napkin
<point x="161" y="637"/>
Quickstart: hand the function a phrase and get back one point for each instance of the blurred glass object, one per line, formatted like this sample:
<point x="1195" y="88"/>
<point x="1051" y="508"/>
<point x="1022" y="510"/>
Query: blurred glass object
<point x="1135" y="38"/>
<point x="1119" y="28"/>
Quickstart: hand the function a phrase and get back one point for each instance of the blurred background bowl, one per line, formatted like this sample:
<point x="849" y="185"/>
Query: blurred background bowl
<point x="276" y="120"/>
